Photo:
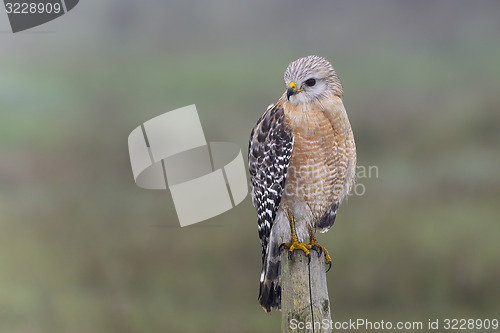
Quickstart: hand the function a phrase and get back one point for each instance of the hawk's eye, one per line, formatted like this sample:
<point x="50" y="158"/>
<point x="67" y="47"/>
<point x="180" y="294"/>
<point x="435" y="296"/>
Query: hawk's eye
<point x="310" y="82"/>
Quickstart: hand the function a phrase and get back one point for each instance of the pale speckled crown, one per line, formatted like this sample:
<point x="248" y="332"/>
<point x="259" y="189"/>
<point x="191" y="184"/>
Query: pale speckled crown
<point x="316" y="67"/>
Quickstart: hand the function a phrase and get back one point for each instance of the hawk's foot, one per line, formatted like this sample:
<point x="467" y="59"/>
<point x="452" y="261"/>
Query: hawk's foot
<point x="296" y="245"/>
<point x="320" y="249"/>
<point x="294" y="241"/>
<point x="315" y="246"/>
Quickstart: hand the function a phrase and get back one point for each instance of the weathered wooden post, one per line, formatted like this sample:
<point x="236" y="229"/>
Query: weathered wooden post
<point x="305" y="304"/>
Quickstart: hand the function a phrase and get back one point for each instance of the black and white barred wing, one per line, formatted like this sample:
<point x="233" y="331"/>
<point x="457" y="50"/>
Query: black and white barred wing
<point x="269" y="154"/>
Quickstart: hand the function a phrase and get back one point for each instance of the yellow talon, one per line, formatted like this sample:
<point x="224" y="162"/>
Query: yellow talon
<point x="294" y="242"/>
<point x="320" y="248"/>
<point x="296" y="245"/>
<point x="315" y="245"/>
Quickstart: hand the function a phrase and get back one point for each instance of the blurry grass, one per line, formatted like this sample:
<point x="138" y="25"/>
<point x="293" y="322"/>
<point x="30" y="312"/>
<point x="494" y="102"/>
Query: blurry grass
<point x="83" y="249"/>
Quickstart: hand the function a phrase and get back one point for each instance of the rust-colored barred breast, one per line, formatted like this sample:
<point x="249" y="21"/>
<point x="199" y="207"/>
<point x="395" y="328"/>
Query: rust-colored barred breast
<point x="321" y="168"/>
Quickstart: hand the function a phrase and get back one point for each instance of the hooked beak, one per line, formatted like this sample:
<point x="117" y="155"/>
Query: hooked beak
<point x="292" y="90"/>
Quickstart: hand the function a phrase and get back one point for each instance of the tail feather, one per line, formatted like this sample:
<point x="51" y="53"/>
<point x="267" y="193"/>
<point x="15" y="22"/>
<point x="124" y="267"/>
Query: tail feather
<point x="270" y="296"/>
<point x="270" y="284"/>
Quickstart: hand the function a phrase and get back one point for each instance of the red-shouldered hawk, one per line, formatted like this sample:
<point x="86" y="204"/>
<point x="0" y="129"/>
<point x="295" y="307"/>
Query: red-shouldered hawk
<point x="302" y="161"/>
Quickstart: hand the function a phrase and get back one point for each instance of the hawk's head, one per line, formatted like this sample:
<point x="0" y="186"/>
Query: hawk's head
<point x="311" y="78"/>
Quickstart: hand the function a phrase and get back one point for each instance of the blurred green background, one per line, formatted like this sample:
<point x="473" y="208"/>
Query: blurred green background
<point x="83" y="249"/>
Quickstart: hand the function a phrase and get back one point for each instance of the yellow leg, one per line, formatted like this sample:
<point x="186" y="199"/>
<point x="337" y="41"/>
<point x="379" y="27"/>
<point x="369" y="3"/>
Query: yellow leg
<point x="315" y="246"/>
<point x="294" y="242"/>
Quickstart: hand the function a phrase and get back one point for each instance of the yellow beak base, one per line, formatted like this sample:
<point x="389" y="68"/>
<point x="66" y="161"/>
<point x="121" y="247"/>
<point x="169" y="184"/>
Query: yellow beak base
<point x="292" y="90"/>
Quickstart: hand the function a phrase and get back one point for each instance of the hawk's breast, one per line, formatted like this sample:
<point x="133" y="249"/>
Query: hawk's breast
<point x="317" y="172"/>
